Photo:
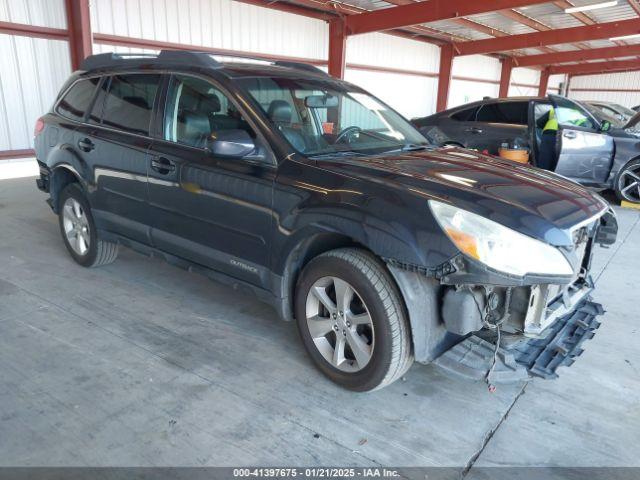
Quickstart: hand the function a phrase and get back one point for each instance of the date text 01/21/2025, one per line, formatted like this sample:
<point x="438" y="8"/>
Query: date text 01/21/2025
<point x="318" y="472"/>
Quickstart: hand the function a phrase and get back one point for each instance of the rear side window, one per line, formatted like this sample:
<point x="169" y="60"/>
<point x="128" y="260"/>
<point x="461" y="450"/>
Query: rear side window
<point x="466" y="115"/>
<point x="128" y="102"/>
<point x="78" y="99"/>
<point x="514" y="113"/>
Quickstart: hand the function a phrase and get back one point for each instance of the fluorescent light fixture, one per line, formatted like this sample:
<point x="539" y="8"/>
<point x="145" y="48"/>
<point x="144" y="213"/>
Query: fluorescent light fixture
<point x="595" y="6"/>
<point x="625" y="37"/>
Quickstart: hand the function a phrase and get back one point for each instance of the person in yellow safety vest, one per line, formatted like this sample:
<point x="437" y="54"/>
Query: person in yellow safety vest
<point x="552" y="122"/>
<point x="547" y="157"/>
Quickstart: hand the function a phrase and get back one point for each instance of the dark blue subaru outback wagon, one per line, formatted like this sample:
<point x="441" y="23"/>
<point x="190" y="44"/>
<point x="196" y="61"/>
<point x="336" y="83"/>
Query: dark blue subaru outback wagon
<point x="330" y="206"/>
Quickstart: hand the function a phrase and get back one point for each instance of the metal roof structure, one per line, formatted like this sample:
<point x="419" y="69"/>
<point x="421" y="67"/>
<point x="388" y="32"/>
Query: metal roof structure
<point x="521" y="30"/>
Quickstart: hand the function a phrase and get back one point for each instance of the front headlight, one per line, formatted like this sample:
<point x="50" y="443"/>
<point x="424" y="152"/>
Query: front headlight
<point x="497" y="246"/>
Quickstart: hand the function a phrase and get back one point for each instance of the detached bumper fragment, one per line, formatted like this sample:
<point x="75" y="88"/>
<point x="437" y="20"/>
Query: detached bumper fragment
<point x="561" y="342"/>
<point x="559" y="345"/>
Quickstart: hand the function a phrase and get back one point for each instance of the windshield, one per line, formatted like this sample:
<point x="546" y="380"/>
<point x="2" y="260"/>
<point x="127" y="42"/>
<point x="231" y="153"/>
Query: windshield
<point x="633" y="122"/>
<point x="602" y="115"/>
<point x="330" y="118"/>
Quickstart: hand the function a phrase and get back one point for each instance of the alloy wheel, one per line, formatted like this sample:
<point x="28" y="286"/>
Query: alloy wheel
<point x="629" y="183"/>
<point x="340" y="324"/>
<point x="76" y="226"/>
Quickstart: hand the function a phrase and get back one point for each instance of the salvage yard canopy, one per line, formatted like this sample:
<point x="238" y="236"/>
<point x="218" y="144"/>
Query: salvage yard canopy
<point x="576" y="37"/>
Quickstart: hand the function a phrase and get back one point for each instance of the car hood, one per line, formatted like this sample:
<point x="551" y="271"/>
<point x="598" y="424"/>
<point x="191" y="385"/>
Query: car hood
<point x="534" y="202"/>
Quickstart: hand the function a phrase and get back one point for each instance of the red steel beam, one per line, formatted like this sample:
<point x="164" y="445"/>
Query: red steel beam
<point x="544" y="83"/>
<point x="578" y="56"/>
<point x="33" y="31"/>
<point x="634" y="4"/>
<point x="596" y="68"/>
<point x="79" y="25"/>
<point x="337" y="48"/>
<point x="290" y="8"/>
<point x="425" y="12"/>
<point x="523" y="19"/>
<point x="505" y="77"/>
<point x="550" y="37"/>
<point x="9" y="154"/>
<point x="444" y="77"/>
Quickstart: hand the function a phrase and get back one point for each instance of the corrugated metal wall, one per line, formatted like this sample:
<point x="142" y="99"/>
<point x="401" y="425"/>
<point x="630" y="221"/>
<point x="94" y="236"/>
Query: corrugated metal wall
<point x="476" y="67"/>
<point x="394" y="52"/>
<point x="622" y="88"/>
<point x="32" y="69"/>
<point x="213" y="23"/>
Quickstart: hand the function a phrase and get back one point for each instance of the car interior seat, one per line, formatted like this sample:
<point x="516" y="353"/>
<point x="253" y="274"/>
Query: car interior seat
<point x="194" y="126"/>
<point x="281" y="113"/>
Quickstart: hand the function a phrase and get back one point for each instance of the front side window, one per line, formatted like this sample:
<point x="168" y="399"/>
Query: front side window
<point x="325" y="117"/>
<point x="569" y="114"/>
<point x="196" y="111"/>
<point x="128" y="102"/>
<point x="78" y="99"/>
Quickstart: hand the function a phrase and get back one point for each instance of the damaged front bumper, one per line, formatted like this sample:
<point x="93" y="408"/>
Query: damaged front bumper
<point x="455" y="312"/>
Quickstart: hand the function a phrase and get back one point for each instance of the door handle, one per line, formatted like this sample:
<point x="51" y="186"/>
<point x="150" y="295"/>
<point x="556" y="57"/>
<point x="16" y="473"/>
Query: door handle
<point x="569" y="134"/>
<point x="86" y="145"/>
<point x="474" y="130"/>
<point x="162" y="165"/>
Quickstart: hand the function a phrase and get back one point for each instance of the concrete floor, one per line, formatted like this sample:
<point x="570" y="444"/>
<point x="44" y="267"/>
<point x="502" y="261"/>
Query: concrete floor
<point x="140" y="363"/>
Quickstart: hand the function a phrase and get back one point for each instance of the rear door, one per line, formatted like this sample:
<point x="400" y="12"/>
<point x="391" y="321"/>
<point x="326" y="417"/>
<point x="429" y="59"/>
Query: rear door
<point x="497" y="123"/>
<point x="116" y="137"/>
<point x="585" y="154"/>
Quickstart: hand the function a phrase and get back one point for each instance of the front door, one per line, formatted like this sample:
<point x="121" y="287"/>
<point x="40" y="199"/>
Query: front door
<point x="212" y="210"/>
<point x="584" y="153"/>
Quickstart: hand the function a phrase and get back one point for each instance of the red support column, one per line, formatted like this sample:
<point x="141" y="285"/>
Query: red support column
<point x="544" y="83"/>
<point x="79" y="26"/>
<point x="337" y="48"/>
<point x="505" y="77"/>
<point x="444" y="76"/>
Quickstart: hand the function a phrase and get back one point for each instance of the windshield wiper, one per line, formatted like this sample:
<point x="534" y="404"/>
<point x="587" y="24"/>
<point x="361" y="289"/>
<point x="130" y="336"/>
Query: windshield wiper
<point x="409" y="147"/>
<point x="340" y="153"/>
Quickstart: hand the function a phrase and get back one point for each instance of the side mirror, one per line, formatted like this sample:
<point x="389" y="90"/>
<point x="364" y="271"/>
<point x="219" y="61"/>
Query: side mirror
<point x="231" y="143"/>
<point x="605" y="126"/>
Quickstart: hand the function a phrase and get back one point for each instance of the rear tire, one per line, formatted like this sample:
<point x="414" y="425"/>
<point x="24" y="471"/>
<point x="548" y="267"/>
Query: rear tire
<point x="367" y="326"/>
<point x="79" y="231"/>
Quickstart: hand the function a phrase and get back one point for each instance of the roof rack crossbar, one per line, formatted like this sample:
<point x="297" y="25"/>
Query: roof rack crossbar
<point x="181" y="57"/>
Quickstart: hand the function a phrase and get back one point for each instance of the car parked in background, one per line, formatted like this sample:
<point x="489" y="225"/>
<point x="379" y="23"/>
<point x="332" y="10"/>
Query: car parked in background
<point x="619" y="112"/>
<point x="326" y="203"/>
<point x="588" y="150"/>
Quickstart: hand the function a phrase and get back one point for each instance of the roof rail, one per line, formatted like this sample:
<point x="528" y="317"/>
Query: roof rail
<point x="165" y="57"/>
<point x="300" y="66"/>
<point x="180" y="57"/>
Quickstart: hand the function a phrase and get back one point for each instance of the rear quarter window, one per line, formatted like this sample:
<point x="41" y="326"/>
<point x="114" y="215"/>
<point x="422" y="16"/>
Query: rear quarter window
<point x="466" y="115"/>
<point x="78" y="99"/>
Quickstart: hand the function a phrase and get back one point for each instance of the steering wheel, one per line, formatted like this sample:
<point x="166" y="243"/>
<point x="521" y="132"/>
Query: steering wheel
<point x="347" y="132"/>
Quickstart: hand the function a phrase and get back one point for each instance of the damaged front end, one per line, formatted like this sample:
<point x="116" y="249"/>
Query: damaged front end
<point x="514" y="327"/>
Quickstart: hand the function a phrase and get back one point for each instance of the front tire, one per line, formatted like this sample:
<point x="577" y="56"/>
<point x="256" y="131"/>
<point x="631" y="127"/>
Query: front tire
<point x="627" y="184"/>
<point x="79" y="230"/>
<point x="352" y="320"/>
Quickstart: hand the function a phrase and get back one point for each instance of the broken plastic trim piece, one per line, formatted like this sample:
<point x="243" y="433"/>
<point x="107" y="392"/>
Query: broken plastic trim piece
<point x="562" y="342"/>
<point x="539" y="357"/>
